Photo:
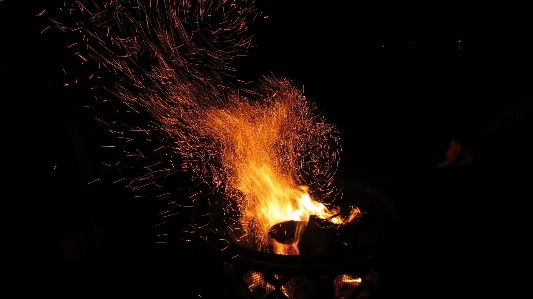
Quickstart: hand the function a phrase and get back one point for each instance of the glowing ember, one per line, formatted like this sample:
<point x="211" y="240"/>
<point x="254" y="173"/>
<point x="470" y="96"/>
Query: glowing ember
<point x="256" y="283"/>
<point x="267" y="149"/>
<point x="345" y="285"/>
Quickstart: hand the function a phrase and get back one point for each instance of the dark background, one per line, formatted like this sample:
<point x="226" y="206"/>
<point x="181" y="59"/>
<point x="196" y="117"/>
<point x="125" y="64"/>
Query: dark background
<point x="399" y="80"/>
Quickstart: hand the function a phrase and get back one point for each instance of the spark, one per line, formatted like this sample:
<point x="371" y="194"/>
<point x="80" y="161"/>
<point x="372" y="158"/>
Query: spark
<point x="186" y="206"/>
<point x="44" y="30"/>
<point x="172" y="61"/>
<point x="119" y="180"/>
<point x="82" y="58"/>
<point x="105" y="123"/>
<point x="94" y="181"/>
<point x="170" y="215"/>
<point x="163" y="195"/>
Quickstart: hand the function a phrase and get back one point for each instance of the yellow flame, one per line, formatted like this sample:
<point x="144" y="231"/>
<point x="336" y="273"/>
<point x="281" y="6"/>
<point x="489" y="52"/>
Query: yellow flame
<point x="267" y="189"/>
<point x="259" y="150"/>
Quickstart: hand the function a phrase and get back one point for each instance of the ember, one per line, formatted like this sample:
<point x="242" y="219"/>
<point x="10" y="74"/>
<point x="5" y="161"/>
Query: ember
<point x="264" y="153"/>
<point x="265" y="148"/>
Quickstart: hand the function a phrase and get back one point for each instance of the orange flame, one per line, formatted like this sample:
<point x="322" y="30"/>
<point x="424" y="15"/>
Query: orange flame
<point x="260" y="175"/>
<point x="169" y="61"/>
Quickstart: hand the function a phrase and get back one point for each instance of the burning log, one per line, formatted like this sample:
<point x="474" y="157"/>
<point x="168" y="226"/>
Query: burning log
<point x="288" y="232"/>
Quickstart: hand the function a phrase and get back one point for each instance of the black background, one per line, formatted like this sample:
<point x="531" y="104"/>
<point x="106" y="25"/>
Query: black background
<point x="400" y="80"/>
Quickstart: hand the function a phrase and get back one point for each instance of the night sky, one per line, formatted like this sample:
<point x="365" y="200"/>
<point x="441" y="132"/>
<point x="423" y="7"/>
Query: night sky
<point x="399" y="81"/>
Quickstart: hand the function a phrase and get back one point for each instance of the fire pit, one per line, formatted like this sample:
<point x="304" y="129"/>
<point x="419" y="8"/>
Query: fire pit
<point x="334" y="261"/>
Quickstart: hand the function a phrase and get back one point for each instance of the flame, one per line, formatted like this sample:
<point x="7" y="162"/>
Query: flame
<point x="263" y="178"/>
<point x="170" y="59"/>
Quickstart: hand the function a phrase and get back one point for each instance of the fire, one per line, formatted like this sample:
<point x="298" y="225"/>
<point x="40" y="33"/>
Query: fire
<point x="261" y="153"/>
<point x="257" y="146"/>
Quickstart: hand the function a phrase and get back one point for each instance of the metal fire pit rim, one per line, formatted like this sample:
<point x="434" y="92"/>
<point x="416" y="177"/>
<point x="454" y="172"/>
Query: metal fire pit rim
<point x="295" y="264"/>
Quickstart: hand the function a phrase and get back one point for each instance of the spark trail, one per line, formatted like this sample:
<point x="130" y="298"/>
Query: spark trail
<point x="172" y="60"/>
